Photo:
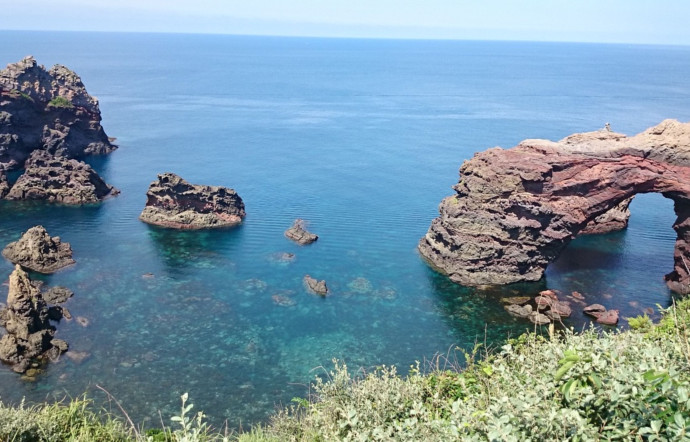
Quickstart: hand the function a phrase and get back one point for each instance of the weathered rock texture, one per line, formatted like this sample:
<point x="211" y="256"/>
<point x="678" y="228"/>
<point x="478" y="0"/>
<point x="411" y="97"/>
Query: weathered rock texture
<point x="298" y="233"/>
<point x="611" y="221"/>
<point x="59" y="180"/>
<point x="47" y="110"/>
<point x="36" y="250"/>
<point x="29" y="337"/>
<point x="515" y="210"/>
<point x="316" y="286"/>
<point x="173" y="202"/>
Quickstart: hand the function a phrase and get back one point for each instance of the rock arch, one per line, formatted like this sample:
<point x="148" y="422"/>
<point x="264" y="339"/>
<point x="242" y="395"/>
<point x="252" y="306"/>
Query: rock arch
<point x="515" y="210"/>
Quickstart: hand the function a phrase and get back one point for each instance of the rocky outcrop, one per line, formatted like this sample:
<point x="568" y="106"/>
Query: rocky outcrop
<point x="30" y="337"/>
<point x="38" y="251"/>
<point x="47" y="110"/>
<point x="59" y="180"/>
<point x="299" y="233"/>
<point x="515" y="210"/>
<point x="316" y="286"/>
<point x="173" y="202"/>
<point x="611" y="221"/>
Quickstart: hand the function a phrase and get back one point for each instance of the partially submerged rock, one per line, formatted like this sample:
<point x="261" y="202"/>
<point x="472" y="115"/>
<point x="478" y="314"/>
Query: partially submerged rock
<point x="174" y="203"/>
<point x="515" y="210"/>
<point x="38" y="251"/>
<point x="59" y="180"/>
<point x="29" y="335"/>
<point x="522" y="311"/>
<point x="603" y="316"/>
<point x="47" y="110"/>
<point x="299" y="233"/>
<point x="315" y="286"/>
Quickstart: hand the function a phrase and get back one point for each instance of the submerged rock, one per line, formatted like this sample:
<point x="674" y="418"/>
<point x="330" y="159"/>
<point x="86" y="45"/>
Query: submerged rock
<point x="29" y="334"/>
<point x="59" y="180"/>
<point x="522" y="311"/>
<point x="594" y="310"/>
<point x="315" y="286"/>
<point x="516" y="300"/>
<point x="38" y="251"/>
<point x="174" y="203"/>
<point x="299" y="233"/>
<point x="539" y="318"/>
<point x="609" y="317"/>
<point x="47" y="110"/>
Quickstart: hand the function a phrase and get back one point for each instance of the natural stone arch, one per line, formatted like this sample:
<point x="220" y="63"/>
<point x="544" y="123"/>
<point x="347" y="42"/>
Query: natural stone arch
<point x="515" y="210"/>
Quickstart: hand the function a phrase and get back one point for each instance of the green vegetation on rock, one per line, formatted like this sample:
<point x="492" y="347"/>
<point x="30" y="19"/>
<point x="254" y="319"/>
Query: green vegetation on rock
<point x="61" y="102"/>
<point x="632" y="385"/>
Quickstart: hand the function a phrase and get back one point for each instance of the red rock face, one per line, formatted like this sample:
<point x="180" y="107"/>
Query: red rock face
<point x="515" y="210"/>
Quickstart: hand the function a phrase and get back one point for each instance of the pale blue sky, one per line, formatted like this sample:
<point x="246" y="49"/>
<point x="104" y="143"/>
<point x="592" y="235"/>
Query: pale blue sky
<point x="628" y="21"/>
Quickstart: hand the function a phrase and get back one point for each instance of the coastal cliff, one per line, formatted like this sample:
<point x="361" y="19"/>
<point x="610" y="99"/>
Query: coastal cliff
<point x="516" y="209"/>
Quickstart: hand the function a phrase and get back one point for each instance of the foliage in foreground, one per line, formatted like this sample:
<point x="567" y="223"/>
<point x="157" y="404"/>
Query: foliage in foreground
<point x="631" y="385"/>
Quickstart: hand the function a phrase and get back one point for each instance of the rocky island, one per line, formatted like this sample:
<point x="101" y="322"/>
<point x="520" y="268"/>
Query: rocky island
<point x="515" y="210"/>
<point x="48" y="122"/>
<point x="174" y="203"/>
<point x="38" y="251"/>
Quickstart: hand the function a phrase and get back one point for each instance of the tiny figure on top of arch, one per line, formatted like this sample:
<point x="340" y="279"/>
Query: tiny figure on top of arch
<point x="607" y="126"/>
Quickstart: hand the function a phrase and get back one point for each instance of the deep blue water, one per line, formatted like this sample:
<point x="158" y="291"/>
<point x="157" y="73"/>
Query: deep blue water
<point x="362" y="138"/>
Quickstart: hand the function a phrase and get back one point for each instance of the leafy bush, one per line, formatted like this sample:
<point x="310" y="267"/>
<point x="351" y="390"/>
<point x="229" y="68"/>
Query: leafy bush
<point x="589" y="386"/>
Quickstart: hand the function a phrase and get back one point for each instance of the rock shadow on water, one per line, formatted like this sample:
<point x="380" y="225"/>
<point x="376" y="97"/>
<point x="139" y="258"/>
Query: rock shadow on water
<point x="195" y="248"/>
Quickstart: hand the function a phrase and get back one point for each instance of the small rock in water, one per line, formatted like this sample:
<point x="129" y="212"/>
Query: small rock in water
<point x="283" y="301"/>
<point x="543" y="302"/>
<point x="299" y="233"/>
<point x="315" y="286"/>
<point x="609" y="317"/>
<point x="516" y="300"/>
<point x="81" y="320"/>
<point x="147" y="275"/>
<point x="539" y="319"/>
<point x="549" y="293"/>
<point x="577" y="295"/>
<point x="594" y="310"/>
<point x="520" y="311"/>
<point x="360" y="285"/>
<point x="561" y="309"/>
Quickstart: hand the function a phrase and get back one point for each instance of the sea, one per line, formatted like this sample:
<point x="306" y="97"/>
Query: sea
<point x="360" y="138"/>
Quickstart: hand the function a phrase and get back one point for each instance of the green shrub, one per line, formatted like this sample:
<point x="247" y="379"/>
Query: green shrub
<point x="60" y="102"/>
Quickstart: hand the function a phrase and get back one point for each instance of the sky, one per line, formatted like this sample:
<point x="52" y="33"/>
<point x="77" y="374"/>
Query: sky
<point x="611" y="21"/>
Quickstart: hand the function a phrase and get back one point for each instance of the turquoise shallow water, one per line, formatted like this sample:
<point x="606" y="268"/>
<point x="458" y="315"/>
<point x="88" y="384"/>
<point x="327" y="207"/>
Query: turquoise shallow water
<point x="362" y="138"/>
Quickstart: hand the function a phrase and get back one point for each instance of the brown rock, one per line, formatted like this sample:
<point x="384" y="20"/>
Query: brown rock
<point x="611" y="221"/>
<point x="516" y="300"/>
<point x="29" y="334"/>
<point x="59" y="180"/>
<point x="561" y="309"/>
<point x="539" y="318"/>
<point x="549" y="293"/>
<point x="577" y="295"/>
<point x="38" y="251"/>
<point x="518" y="310"/>
<point x="47" y="110"/>
<point x="595" y="310"/>
<point x="515" y="210"/>
<point x="315" y="286"/>
<point x="299" y="234"/>
<point x="609" y="317"/>
<point x="174" y="203"/>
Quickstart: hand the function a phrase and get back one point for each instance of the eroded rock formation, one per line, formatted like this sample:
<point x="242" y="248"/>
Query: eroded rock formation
<point x="38" y="251"/>
<point x="30" y="337"/>
<point x="173" y="202"/>
<point x="59" y="180"/>
<point x="515" y="210"/>
<point x="298" y="233"/>
<point x="47" y="110"/>
<point x="316" y="286"/>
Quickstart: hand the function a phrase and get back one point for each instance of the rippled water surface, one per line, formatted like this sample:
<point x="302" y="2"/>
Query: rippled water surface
<point x="362" y="138"/>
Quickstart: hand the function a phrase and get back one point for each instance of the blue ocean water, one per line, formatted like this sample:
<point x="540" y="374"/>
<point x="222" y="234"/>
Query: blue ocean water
<point x="362" y="138"/>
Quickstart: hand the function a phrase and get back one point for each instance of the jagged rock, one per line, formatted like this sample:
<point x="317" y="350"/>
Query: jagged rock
<point x="515" y="210"/>
<point x="59" y="180"/>
<point x="549" y="293"/>
<point x="613" y="220"/>
<point x="299" y="233"/>
<point x="174" y="203"/>
<point x="518" y="310"/>
<point x="57" y="295"/>
<point x="29" y="334"/>
<point x="4" y="184"/>
<point x="315" y="286"/>
<point x="48" y="110"/>
<point x="36" y="250"/>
